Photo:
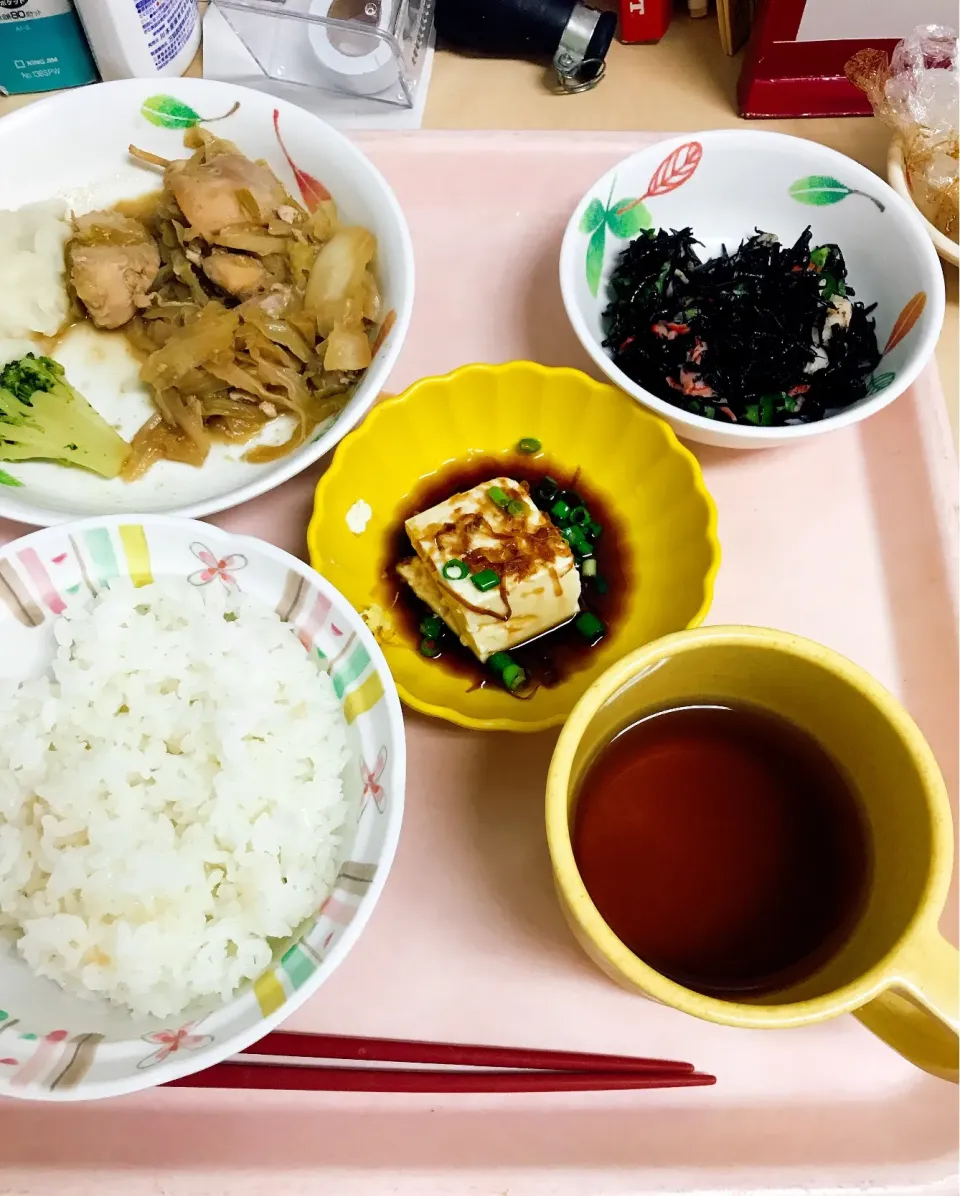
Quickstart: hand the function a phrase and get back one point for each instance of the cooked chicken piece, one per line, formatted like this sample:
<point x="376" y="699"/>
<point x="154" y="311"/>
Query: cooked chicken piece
<point x="208" y="192"/>
<point x="113" y="263"/>
<point x="109" y="227"/>
<point x="236" y="273"/>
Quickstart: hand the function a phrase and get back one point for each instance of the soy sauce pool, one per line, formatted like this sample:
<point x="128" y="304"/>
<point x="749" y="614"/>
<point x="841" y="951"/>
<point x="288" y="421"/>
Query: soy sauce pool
<point x="553" y="657"/>
<point x="724" y="847"/>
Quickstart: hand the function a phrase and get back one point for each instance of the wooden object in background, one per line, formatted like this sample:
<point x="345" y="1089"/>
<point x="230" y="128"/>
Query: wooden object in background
<point x="734" y="18"/>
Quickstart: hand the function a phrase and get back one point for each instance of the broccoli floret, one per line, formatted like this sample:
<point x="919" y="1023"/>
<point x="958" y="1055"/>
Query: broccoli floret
<point x="43" y="417"/>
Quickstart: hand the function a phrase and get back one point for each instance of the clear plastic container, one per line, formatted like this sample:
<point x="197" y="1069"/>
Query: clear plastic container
<point x="373" y="48"/>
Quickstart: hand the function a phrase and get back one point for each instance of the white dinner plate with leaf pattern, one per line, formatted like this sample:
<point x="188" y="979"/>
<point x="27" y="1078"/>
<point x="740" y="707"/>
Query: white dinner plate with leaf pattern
<point x="74" y="146"/>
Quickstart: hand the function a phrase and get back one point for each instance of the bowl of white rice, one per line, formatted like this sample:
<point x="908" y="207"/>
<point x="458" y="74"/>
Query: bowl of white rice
<point x="202" y="774"/>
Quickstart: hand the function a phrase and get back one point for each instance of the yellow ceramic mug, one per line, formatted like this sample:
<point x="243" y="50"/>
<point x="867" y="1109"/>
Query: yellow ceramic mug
<point x="896" y="972"/>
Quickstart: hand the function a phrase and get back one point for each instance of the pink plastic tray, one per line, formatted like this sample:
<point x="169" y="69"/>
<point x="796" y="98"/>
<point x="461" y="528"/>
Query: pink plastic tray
<point x="850" y="539"/>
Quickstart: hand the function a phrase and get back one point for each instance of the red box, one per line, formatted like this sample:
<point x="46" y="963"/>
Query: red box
<point x="782" y="77"/>
<point x="644" y="20"/>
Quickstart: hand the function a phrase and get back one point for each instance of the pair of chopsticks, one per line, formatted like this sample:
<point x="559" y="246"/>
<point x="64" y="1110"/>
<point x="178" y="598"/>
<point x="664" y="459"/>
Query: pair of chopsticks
<point x="336" y="1063"/>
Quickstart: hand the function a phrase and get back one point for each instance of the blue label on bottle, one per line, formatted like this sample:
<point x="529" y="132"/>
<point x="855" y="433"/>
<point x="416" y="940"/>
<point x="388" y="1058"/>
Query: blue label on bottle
<point x="168" y="26"/>
<point x="42" y="50"/>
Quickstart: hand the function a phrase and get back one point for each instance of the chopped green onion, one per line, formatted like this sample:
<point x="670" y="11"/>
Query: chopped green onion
<point x="819" y="256"/>
<point x="690" y="312"/>
<point x="499" y="661"/>
<point x="573" y="536"/>
<point x="583" y="550"/>
<point x="529" y="444"/>
<point x="507" y="671"/>
<point x="830" y="286"/>
<point x="594" y="530"/>
<point x="455" y="570"/>
<point x="600" y="584"/>
<point x="589" y="626"/>
<point x="549" y="488"/>
<point x="710" y="412"/>
<point x="590" y="567"/>
<point x="485" y="580"/>
<point x="513" y="676"/>
<point x="498" y="496"/>
<point x="763" y="412"/>
<point x="431" y="627"/>
<point x="429" y="648"/>
<point x="580" y="516"/>
<point x="560" y="511"/>
<point x="516" y="507"/>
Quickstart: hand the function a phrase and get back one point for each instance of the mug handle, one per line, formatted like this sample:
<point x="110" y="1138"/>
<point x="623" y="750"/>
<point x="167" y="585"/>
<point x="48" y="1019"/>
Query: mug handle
<point x="918" y="1014"/>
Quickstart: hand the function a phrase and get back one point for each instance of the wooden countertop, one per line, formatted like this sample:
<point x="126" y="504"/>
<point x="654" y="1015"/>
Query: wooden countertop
<point x="683" y="83"/>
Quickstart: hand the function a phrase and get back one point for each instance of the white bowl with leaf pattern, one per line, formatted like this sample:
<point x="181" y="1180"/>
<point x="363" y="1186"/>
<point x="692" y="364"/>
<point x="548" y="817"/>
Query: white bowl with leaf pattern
<point x="74" y="146"/>
<point x="57" y="1046"/>
<point x="725" y="184"/>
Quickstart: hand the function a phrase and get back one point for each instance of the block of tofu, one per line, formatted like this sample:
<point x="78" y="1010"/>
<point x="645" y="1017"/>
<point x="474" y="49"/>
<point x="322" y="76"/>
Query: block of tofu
<point x="539" y="583"/>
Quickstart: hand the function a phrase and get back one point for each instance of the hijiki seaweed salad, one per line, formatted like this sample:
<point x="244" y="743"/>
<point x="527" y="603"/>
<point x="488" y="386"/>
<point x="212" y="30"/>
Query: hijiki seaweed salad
<point x="768" y="335"/>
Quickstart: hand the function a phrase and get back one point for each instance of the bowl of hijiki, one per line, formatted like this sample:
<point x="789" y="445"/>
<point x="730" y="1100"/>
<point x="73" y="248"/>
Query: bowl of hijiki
<point x="507" y="531"/>
<point x="202" y="288"/>
<point x="732" y="281"/>
<point x="202" y="772"/>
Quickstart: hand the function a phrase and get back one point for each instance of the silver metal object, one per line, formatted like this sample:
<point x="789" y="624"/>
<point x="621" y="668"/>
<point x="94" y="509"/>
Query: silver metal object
<point x="575" y="71"/>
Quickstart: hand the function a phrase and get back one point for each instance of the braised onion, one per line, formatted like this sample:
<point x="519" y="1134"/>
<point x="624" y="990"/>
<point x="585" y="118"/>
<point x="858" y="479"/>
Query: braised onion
<point x="261" y="309"/>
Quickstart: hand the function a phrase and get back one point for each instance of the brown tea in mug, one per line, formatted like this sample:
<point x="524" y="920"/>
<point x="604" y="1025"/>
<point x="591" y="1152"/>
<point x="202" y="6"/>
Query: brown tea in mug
<point x="724" y="847"/>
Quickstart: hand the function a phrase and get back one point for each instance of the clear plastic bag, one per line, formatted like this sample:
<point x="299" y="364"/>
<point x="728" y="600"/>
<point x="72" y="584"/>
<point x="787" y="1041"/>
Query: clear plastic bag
<point x="916" y="93"/>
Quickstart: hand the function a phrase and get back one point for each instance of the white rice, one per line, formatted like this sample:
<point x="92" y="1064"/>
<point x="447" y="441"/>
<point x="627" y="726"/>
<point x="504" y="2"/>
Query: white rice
<point x="170" y="796"/>
<point x="33" y="294"/>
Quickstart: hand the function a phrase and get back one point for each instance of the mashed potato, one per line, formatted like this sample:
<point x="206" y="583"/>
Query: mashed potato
<point x="33" y="294"/>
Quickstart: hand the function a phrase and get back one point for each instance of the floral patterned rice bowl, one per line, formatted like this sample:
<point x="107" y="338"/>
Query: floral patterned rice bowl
<point x="726" y="184"/>
<point x="55" y="1046"/>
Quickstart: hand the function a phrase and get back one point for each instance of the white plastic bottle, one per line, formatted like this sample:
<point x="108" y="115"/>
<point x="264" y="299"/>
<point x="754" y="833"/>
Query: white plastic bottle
<point x="134" y="39"/>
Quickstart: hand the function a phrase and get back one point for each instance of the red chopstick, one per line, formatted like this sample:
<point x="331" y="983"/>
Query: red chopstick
<point x="344" y="1079"/>
<point x="435" y="1067"/>
<point x="450" y="1054"/>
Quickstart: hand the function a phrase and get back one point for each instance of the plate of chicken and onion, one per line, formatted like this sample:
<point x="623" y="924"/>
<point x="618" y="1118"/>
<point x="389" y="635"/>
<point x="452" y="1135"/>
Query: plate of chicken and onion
<point x="200" y="294"/>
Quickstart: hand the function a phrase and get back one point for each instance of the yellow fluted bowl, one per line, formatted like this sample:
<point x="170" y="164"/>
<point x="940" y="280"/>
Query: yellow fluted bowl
<point x="631" y="459"/>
